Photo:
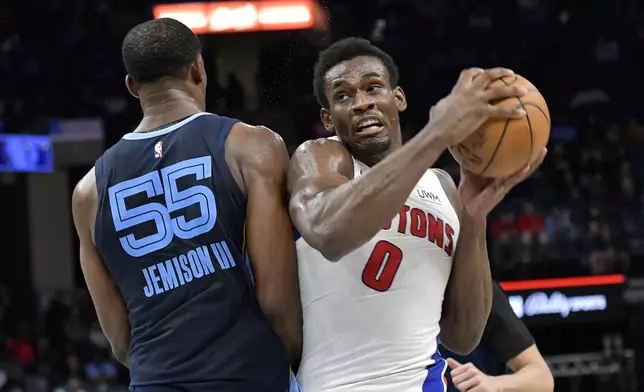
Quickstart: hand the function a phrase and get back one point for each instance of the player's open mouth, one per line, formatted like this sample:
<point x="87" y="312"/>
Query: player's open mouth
<point x="369" y="126"/>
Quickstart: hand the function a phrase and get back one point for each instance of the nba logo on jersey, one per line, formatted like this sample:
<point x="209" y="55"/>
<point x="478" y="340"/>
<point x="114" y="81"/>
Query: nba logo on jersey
<point x="158" y="149"/>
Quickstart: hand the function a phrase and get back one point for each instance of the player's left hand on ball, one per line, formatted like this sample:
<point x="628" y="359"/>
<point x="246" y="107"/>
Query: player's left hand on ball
<point x="467" y="378"/>
<point x="480" y="195"/>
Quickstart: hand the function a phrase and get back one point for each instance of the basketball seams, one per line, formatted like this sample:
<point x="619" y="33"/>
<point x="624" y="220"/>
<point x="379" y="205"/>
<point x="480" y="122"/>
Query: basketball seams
<point x="498" y="146"/>
<point x="534" y="105"/>
<point x="505" y="129"/>
<point x="527" y="117"/>
<point x="516" y="77"/>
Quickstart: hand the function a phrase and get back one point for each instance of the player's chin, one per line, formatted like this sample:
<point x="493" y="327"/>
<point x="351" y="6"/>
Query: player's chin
<point x="374" y="145"/>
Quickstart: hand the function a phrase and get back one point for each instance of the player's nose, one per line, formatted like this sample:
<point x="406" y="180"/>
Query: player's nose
<point x="362" y="103"/>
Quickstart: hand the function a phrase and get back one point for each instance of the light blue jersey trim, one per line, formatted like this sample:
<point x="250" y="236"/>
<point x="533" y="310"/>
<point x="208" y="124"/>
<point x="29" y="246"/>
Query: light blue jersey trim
<point x="250" y="267"/>
<point x="294" y="386"/>
<point x="161" y="132"/>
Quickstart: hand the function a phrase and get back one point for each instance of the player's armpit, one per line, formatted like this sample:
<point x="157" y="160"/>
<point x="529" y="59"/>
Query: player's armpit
<point x="263" y="161"/>
<point x="109" y="305"/>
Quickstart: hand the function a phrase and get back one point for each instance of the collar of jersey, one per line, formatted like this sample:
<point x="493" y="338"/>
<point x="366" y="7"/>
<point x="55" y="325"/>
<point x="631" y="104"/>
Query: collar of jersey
<point x="162" y="131"/>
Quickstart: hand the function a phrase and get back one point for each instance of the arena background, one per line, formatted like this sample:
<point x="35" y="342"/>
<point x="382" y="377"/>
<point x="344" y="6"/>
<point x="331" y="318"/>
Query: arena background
<point x="569" y="243"/>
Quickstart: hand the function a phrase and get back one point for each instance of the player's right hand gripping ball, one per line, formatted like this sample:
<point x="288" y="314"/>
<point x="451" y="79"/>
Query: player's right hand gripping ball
<point x="501" y="147"/>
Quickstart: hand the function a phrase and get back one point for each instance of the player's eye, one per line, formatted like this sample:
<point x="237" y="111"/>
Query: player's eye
<point x="341" y="96"/>
<point x="373" y="87"/>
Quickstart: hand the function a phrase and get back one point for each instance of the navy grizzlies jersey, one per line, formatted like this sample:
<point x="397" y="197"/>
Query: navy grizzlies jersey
<point x="170" y="229"/>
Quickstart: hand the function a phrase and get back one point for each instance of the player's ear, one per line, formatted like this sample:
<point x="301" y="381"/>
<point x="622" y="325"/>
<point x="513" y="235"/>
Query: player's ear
<point x="197" y="71"/>
<point x="131" y="87"/>
<point x="401" y="99"/>
<point x="325" y="116"/>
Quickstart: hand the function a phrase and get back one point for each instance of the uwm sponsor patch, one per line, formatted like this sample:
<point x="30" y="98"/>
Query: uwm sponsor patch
<point x="428" y="196"/>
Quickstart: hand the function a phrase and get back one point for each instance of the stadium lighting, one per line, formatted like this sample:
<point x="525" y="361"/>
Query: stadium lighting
<point x="246" y="16"/>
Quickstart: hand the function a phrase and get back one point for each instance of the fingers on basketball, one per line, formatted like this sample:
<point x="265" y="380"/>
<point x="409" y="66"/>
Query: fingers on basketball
<point x="503" y="146"/>
<point x="488" y="76"/>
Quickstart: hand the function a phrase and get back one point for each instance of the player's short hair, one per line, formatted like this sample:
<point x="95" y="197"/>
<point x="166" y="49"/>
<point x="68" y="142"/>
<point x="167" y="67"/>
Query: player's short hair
<point x="343" y="50"/>
<point x="159" y="48"/>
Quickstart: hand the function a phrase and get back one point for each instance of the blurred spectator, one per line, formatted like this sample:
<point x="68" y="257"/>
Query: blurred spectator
<point x="101" y="372"/>
<point x="506" y="223"/>
<point x="19" y="347"/>
<point x="74" y="380"/>
<point x="75" y="329"/>
<point x="97" y="338"/>
<point x="531" y="225"/>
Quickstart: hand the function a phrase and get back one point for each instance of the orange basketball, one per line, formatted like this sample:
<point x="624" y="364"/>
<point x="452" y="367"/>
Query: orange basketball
<point x="502" y="147"/>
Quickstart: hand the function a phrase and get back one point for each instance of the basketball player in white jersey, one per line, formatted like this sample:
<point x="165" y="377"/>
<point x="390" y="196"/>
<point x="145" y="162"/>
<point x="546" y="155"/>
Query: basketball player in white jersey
<point x="392" y="254"/>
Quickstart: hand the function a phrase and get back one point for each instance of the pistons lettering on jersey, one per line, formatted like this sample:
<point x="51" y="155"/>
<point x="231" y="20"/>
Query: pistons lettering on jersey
<point x="421" y="224"/>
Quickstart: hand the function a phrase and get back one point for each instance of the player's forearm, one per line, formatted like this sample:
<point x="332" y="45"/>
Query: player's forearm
<point x="468" y="298"/>
<point x="530" y="378"/>
<point x="348" y="216"/>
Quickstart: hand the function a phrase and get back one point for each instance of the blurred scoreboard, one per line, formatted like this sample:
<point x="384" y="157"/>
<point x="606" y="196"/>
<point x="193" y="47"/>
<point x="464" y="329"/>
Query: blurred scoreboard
<point x="26" y="153"/>
<point x="69" y="143"/>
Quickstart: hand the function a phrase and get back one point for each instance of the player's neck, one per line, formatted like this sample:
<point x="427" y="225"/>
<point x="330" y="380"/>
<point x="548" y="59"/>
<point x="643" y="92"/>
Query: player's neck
<point x="373" y="159"/>
<point x="161" y="107"/>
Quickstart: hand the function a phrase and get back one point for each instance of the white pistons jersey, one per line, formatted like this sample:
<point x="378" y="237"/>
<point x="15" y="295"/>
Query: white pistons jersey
<point x="371" y="320"/>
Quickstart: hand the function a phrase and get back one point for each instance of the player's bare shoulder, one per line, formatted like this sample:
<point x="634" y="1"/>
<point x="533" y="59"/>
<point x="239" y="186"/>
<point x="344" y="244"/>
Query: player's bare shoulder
<point x="247" y="141"/>
<point x="319" y="156"/>
<point x="85" y="202"/>
<point x="255" y="148"/>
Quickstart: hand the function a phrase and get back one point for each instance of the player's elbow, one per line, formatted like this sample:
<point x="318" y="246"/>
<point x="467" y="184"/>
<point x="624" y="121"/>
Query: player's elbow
<point x="331" y="252"/>
<point x="464" y="346"/>
<point x="120" y="344"/>
<point x="324" y="241"/>
<point x="330" y="248"/>
<point x="120" y="354"/>
<point x="460" y="335"/>
<point x="471" y="340"/>
<point x="461" y="343"/>
<point x="321" y="231"/>
<point x="330" y="241"/>
<point x="467" y="346"/>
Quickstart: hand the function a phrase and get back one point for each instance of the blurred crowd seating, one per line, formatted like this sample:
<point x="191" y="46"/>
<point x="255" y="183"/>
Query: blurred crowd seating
<point x="64" y="350"/>
<point x="581" y="213"/>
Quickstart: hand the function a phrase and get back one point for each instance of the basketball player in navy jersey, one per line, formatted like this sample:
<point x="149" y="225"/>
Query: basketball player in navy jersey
<point x="167" y="219"/>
